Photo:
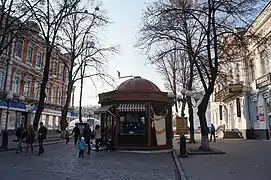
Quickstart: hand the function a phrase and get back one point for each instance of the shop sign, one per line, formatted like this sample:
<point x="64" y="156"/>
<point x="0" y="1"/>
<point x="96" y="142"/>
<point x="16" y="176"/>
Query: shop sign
<point x="263" y="81"/>
<point x="179" y="125"/>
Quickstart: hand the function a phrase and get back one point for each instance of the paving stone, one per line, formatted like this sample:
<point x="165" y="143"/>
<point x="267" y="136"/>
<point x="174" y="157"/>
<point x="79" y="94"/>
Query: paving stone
<point x="61" y="162"/>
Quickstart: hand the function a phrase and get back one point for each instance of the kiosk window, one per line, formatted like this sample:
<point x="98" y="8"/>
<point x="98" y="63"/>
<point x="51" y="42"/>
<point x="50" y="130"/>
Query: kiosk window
<point x="133" y="123"/>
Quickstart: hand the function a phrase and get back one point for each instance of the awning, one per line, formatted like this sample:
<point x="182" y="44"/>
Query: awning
<point x="132" y="107"/>
<point x="13" y="105"/>
<point x="103" y="109"/>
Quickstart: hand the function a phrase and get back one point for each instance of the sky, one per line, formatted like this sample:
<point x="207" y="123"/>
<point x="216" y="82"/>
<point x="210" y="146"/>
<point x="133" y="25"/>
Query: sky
<point x="126" y="18"/>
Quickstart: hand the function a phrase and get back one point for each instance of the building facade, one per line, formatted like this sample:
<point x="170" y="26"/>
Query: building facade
<point x="242" y="103"/>
<point x="21" y="72"/>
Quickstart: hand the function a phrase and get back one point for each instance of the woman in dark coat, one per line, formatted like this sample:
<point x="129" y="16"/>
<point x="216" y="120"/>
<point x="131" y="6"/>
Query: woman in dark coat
<point x="30" y="136"/>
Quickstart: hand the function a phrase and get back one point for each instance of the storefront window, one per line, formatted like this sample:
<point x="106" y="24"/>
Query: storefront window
<point x="133" y="123"/>
<point x="12" y="120"/>
<point x="50" y="122"/>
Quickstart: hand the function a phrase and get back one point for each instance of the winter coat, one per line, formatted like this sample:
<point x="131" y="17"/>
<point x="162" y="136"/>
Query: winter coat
<point x="81" y="145"/>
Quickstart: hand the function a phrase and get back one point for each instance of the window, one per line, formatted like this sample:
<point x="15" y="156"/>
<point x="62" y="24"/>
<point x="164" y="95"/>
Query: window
<point x="55" y="67"/>
<point x="251" y="70"/>
<point x="263" y="61"/>
<point x="27" y="88"/>
<point x="133" y="123"/>
<point x="60" y="72"/>
<point x="19" y="48"/>
<point x="59" y="96"/>
<point x="53" y="95"/>
<point x="30" y="52"/>
<point x="2" y="80"/>
<point x="5" y="43"/>
<point x="39" y="60"/>
<point x="238" y="107"/>
<point x="37" y="90"/>
<point x="47" y="94"/>
<point x="16" y="84"/>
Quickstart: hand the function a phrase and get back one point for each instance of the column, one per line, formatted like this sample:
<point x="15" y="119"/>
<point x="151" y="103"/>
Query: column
<point x="54" y="123"/>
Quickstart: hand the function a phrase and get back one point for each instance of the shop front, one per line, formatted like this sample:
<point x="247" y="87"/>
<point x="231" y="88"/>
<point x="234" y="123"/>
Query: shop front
<point x="19" y="113"/>
<point x="260" y="107"/>
<point x="136" y="116"/>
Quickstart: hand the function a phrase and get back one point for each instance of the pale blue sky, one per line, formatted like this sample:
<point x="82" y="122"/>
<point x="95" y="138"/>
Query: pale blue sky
<point x="126" y="16"/>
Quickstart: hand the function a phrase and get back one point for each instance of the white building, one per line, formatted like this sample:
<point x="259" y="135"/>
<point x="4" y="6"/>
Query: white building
<point x="242" y="102"/>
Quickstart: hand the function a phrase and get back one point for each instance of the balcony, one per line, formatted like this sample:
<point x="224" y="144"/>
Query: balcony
<point x="229" y="92"/>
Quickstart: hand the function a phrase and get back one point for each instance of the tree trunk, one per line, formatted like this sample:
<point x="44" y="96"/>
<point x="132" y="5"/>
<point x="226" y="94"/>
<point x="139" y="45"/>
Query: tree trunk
<point x="191" y="120"/>
<point x="64" y="113"/>
<point x="43" y="87"/>
<point x="203" y="123"/>
<point x="81" y="91"/>
<point x="63" y="122"/>
<point x="80" y="100"/>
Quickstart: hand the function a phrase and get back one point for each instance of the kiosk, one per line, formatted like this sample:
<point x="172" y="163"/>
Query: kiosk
<point x="136" y="116"/>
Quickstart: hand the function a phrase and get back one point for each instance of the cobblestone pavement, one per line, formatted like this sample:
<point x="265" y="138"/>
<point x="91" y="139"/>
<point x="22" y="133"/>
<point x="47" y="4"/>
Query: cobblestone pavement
<point x="61" y="162"/>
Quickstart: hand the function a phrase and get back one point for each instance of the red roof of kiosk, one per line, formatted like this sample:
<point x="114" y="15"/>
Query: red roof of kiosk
<point x="137" y="84"/>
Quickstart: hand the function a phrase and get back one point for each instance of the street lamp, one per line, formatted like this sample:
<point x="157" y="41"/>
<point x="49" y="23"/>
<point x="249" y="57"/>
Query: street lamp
<point x="196" y="96"/>
<point x="5" y="133"/>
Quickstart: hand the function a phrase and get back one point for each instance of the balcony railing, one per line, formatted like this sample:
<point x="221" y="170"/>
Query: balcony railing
<point x="228" y="92"/>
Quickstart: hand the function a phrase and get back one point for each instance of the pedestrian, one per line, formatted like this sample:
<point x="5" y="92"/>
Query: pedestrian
<point x="87" y="136"/>
<point x="98" y="136"/>
<point x="30" y="137"/>
<point x="41" y="136"/>
<point x="67" y="136"/>
<point x="76" y="132"/>
<point x="212" y="133"/>
<point x="20" y="134"/>
<point x="81" y="147"/>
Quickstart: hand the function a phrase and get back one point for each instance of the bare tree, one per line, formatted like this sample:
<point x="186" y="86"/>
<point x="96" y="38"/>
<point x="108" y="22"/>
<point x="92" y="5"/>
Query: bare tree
<point x="163" y="26"/>
<point x="79" y="39"/>
<point x="174" y="66"/>
<point x="199" y="27"/>
<point x="49" y="15"/>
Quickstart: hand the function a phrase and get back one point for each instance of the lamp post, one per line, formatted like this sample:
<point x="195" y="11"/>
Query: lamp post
<point x="21" y="99"/>
<point x="5" y="133"/>
<point x="185" y="93"/>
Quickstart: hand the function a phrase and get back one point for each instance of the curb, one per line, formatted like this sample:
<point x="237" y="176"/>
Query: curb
<point x="34" y="145"/>
<point x="178" y="164"/>
<point x="214" y="152"/>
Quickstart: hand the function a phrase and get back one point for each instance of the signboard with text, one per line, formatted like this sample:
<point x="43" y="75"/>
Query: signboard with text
<point x="179" y="125"/>
<point x="263" y="81"/>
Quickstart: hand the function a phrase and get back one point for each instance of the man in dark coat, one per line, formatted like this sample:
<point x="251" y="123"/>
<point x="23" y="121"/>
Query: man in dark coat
<point x="20" y="134"/>
<point x="76" y="132"/>
<point x="41" y="136"/>
<point x="87" y="136"/>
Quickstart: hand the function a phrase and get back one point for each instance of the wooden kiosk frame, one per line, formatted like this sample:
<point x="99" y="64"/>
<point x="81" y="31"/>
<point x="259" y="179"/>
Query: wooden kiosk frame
<point x="129" y="116"/>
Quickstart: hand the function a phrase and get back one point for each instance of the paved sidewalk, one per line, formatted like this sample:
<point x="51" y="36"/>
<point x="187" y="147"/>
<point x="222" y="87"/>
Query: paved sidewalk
<point x="52" y="138"/>
<point x="244" y="159"/>
<point x="61" y="162"/>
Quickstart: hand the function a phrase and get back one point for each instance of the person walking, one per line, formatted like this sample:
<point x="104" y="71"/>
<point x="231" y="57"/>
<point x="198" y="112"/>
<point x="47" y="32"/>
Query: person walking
<point x="76" y="132"/>
<point x="212" y="133"/>
<point x="20" y="134"/>
<point x="67" y="136"/>
<point x="41" y="136"/>
<point x="98" y="136"/>
<point x="30" y="137"/>
<point x="81" y="147"/>
<point x="87" y="136"/>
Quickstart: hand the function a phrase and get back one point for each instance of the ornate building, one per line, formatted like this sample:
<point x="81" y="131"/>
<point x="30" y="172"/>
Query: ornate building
<point x="21" y="70"/>
<point x="242" y="104"/>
